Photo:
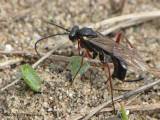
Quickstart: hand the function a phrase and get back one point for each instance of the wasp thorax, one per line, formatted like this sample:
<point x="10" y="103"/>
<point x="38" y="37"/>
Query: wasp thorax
<point x="87" y="32"/>
<point x="73" y="33"/>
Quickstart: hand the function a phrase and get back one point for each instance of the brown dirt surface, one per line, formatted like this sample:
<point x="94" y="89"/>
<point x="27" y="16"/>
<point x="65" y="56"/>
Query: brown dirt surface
<point x="21" y="26"/>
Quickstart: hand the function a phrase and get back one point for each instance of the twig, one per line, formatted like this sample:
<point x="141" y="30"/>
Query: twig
<point x="131" y="107"/>
<point x="121" y="25"/>
<point x="10" y="62"/>
<point x="125" y="95"/>
<point x="110" y="25"/>
<point x="47" y="55"/>
<point x="123" y="88"/>
<point x="35" y="65"/>
<point x="2" y="89"/>
<point x="129" y="101"/>
<point x="136" y="107"/>
<point x="58" y="58"/>
<point x="75" y="117"/>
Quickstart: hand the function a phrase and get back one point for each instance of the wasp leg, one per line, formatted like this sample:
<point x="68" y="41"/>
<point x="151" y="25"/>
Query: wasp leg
<point x="79" y="46"/>
<point x="89" y="55"/>
<point x="79" y="67"/>
<point x="105" y="64"/>
<point x="119" y="38"/>
<point x="92" y="56"/>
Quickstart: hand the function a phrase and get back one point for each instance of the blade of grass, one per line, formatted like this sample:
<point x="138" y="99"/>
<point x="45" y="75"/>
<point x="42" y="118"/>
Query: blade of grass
<point x="124" y="115"/>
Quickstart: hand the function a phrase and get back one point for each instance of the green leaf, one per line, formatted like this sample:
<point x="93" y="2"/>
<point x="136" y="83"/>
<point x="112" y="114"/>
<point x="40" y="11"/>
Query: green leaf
<point x="30" y="77"/>
<point x="124" y="116"/>
<point x="76" y="63"/>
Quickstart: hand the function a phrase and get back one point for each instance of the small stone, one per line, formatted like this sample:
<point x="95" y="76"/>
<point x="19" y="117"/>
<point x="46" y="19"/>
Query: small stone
<point x="8" y="47"/>
<point x="51" y="98"/>
<point x="37" y="36"/>
<point x="127" y="112"/>
<point x="69" y="77"/>
<point x="59" y="52"/>
<point x="60" y="70"/>
<point x="17" y="75"/>
<point x="28" y="39"/>
<point x="155" y="87"/>
<point x="13" y="110"/>
<point x="52" y="68"/>
<point x="45" y="104"/>
<point x="70" y="95"/>
<point x="60" y="97"/>
<point x="49" y="109"/>
<point x="143" y="76"/>
<point x="158" y="93"/>
<point x="53" y="77"/>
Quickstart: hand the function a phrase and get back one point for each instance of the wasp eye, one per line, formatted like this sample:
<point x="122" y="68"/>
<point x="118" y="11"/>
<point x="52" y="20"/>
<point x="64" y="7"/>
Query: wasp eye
<point x="71" y="36"/>
<point x="73" y="33"/>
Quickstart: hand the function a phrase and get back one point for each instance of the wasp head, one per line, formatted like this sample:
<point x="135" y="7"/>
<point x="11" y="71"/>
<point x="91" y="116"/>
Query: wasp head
<point x="73" y="33"/>
<point x="77" y="33"/>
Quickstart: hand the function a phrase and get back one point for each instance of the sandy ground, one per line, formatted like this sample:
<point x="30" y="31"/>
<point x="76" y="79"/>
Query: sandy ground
<point x="21" y="26"/>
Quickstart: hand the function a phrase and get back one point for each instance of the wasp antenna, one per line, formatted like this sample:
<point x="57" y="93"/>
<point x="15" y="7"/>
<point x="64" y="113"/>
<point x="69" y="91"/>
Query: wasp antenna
<point x="56" y="25"/>
<point x="35" y="45"/>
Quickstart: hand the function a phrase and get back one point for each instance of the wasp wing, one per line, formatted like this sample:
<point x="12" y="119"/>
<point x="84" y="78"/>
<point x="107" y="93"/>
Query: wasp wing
<point x="128" y="57"/>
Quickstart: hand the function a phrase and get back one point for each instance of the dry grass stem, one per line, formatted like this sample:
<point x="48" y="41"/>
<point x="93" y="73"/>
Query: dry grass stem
<point x="10" y="62"/>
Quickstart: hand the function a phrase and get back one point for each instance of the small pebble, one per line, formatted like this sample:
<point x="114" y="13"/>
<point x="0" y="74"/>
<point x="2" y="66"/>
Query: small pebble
<point x="60" y="70"/>
<point x="13" y="77"/>
<point x="17" y="75"/>
<point x="143" y="76"/>
<point x="8" y="47"/>
<point x="51" y="98"/>
<point x="45" y="104"/>
<point x="53" y="77"/>
<point x="69" y="77"/>
<point x="37" y="36"/>
<point x="70" y="94"/>
<point x="28" y="39"/>
<point x="52" y="68"/>
<point x="155" y="87"/>
<point x="49" y="109"/>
